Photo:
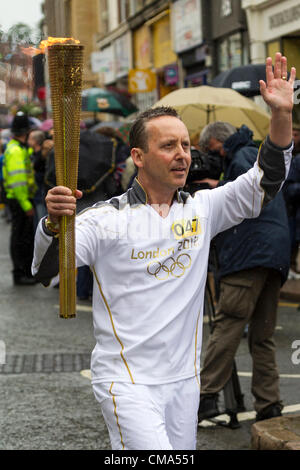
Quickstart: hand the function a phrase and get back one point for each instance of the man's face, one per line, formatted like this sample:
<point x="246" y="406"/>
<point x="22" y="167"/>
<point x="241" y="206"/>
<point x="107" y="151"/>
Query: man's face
<point x="296" y="138"/>
<point x="216" y="146"/>
<point x="31" y="141"/>
<point x="47" y="145"/>
<point x="167" y="160"/>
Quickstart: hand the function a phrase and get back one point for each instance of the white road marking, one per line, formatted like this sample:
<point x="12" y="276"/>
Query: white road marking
<point x="283" y="376"/>
<point x="81" y="308"/>
<point x="86" y="373"/>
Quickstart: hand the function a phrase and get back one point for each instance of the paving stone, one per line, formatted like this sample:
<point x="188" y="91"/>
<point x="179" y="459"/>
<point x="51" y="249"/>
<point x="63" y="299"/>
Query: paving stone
<point x="282" y="433"/>
<point x="45" y="363"/>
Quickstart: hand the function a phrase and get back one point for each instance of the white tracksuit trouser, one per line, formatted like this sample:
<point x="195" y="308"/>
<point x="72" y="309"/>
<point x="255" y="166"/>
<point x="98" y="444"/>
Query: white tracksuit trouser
<point x="150" y="417"/>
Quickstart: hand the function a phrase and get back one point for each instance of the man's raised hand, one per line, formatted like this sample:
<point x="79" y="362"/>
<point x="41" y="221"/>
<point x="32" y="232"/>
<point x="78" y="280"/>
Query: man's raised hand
<point x="278" y="91"/>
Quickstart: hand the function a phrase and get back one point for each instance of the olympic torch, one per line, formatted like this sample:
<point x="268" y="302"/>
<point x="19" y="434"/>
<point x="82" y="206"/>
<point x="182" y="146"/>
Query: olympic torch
<point x="65" y="59"/>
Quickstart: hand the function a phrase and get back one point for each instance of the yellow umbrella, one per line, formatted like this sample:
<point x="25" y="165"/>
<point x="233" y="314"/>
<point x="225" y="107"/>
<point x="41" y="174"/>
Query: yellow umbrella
<point x="201" y="105"/>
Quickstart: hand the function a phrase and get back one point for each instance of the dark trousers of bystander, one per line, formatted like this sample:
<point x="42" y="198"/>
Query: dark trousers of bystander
<point x="21" y="241"/>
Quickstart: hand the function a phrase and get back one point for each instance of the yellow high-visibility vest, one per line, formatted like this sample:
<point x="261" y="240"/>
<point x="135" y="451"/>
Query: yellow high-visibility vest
<point x="18" y="174"/>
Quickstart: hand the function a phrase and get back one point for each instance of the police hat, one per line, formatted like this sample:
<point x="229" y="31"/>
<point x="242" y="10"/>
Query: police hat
<point x="20" y="124"/>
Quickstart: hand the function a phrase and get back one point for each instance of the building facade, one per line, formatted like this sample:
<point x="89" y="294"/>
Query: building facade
<point x="273" y="26"/>
<point x="77" y="19"/>
<point x="147" y="48"/>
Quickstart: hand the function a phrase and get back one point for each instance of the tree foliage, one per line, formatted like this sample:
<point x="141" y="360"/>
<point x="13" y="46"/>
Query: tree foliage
<point x="21" y="34"/>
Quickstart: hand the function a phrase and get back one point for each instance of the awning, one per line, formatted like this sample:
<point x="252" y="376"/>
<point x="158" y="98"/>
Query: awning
<point x="244" y="79"/>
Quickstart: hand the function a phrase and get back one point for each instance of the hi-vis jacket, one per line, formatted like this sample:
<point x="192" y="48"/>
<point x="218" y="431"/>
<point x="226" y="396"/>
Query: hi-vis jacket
<point x="150" y="272"/>
<point x="18" y="174"/>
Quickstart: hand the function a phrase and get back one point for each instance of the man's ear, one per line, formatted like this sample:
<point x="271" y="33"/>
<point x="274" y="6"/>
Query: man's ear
<point x="137" y="157"/>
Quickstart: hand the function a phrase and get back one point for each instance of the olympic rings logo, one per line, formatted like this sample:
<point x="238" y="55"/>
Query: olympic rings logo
<point x="175" y="268"/>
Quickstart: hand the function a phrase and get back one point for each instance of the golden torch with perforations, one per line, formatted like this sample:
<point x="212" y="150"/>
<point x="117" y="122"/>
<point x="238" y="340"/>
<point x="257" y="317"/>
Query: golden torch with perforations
<point x="65" y="60"/>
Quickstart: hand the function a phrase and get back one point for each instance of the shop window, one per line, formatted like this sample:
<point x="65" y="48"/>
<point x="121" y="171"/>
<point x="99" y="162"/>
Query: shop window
<point x="124" y="10"/>
<point x="104" y="17"/>
<point x="273" y="47"/>
<point x="291" y="48"/>
<point x="136" y="5"/>
<point x="232" y="52"/>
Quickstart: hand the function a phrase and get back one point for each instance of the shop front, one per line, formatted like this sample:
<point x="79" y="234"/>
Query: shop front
<point x="188" y="41"/>
<point x="142" y="80"/>
<point x="165" y="60"/>
<point x="274" y="27"/>
<point x="229" y="35"/>
<point x="155" y="71"/>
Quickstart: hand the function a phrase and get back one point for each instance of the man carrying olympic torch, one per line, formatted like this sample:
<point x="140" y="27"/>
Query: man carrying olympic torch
<point x="148" y="250"/>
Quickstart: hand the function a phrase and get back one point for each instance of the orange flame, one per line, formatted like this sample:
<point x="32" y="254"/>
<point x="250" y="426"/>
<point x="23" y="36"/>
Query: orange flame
<point x="51" y="41"/>
<point x="30" y="51"/>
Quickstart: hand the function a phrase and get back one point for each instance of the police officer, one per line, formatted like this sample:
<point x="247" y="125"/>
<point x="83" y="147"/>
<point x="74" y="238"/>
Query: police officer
<point x="20" y="188"/>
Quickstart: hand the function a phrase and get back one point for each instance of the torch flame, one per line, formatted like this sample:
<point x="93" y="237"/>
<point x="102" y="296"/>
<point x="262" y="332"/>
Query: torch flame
<point x="30" y="51"/>
<point x="51" y="41"/>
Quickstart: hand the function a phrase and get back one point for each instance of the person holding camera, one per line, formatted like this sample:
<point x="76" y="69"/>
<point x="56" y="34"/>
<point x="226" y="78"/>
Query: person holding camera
<point x="148" y="249"/>
<point x="253" y="263"/>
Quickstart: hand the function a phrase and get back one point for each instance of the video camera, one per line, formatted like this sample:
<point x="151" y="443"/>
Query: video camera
<point x="204" y="165"/>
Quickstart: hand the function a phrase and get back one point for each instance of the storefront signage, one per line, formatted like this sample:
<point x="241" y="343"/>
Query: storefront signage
<point x="162" y="45"/>
<point x="141" y="81"/>
<point x="186" y="24"/>
<point x="171" y="75"/>
<point x="103" y="62"/>
<point x="122" y="48"/>
<point x="226" y="8"/>
<point x="142" y="46"/>
<point x="286" y="16"/>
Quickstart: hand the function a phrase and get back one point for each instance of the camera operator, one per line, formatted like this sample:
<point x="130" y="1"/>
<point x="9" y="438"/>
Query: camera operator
<point x="253" y="263"/>
<point x="205" y="169"/>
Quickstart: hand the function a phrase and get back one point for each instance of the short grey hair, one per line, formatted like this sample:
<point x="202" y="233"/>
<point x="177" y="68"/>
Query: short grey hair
<point x="218" y="130"/>
<point x="38" y="136"/>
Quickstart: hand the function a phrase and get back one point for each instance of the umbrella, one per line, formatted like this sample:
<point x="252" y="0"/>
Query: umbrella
<point x="34" y="122"/>
<point x="106" y="101"/>
<point x="201" y="105"/>
<point x="46" y="125"/>
<point x="113" y="124"/>
<point x="122" y="129"/>
<point x="244" y="79"/>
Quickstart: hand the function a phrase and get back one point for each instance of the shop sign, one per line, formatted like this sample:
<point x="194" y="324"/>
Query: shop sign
<point x="171" y="75"/>
<point x="162" y="44"/>
<point x="122" y="48"/>
<point x="103" y="62"/>
<point x="186" y="24"/>
<point x="283" y="17"/>
<point x="141" y="81"/>
<point x="226" y="8"/>
<point x="142" y="48"/>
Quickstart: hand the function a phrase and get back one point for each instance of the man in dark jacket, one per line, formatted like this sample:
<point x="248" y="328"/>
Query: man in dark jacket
<point x="291" y="192"/>
<point x="253" y="263"/>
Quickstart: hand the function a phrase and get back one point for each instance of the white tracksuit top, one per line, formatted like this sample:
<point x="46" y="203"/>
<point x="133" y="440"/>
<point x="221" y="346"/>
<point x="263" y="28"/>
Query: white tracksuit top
<point x="150" y="272"/>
